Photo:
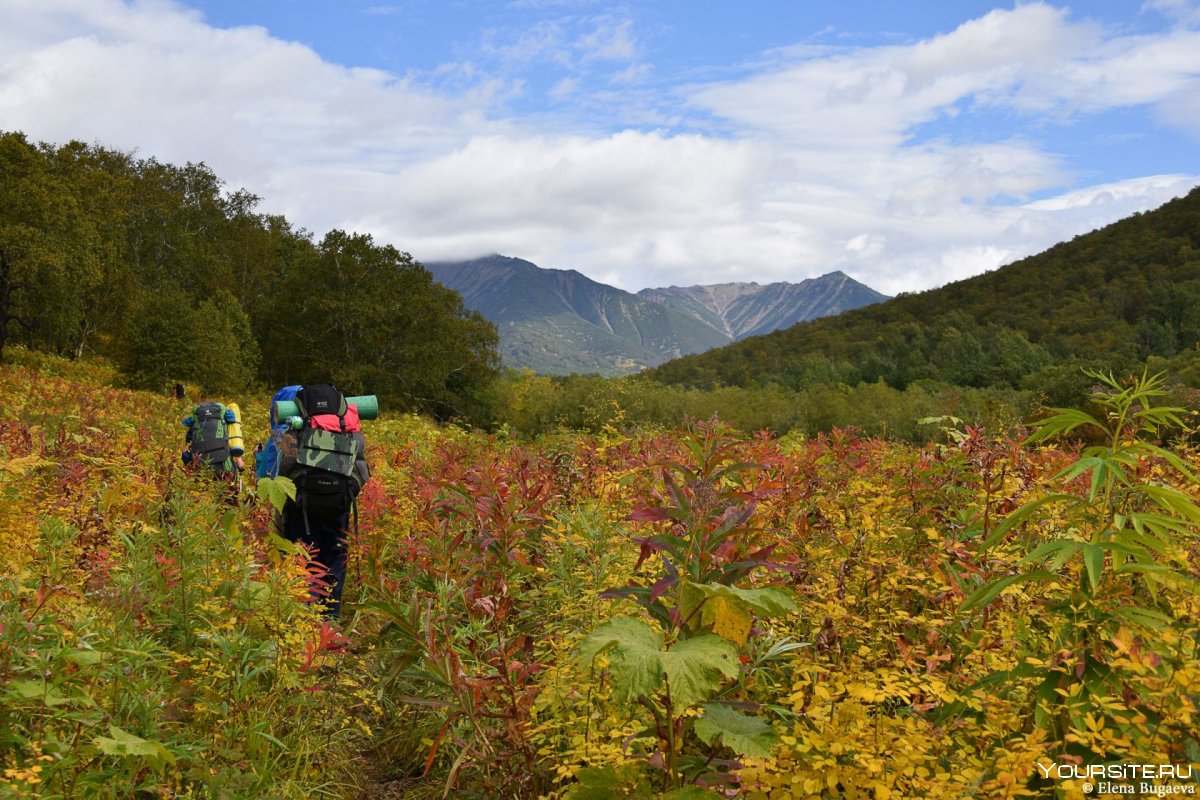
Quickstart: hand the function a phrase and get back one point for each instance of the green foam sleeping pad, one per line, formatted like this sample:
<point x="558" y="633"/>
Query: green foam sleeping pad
<point x="367" y="404"/>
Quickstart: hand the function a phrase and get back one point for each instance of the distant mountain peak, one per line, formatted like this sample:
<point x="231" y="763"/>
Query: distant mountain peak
<point x="561" y="321"/>
<point x="749" y="308"/>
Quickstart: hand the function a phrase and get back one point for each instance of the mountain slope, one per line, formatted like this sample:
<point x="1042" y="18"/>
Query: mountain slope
<point x="560" y="321"/>
<point x="1110" y="298"/>
<point x="749" y="309"/>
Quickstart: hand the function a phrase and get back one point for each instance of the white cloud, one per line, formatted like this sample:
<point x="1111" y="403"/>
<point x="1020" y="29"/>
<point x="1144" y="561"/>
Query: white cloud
<point x="818" y="166"/>
<point x="1125" y="194"/>
<point x="540" y="196"/>
<point x="156" y="79"/>
<point x="1184" y="10"/>
<point x="564" y="88"/>
<point x="634" y="73"/>
<point x="609" y="40"/>
<point x="844" y="121"/>
<point x="867" y="245"/>
<point x="1031" y="58"/>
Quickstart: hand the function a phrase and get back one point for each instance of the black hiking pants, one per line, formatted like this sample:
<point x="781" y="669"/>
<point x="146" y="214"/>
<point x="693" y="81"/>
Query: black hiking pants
<point x="326" y="538"/>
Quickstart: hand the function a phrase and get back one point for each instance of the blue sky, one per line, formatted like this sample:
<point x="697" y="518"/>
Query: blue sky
<point x="643" y="143"/>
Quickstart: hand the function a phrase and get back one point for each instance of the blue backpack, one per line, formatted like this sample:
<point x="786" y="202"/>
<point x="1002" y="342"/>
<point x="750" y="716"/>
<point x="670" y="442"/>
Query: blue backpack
<point x="266" y="465"/>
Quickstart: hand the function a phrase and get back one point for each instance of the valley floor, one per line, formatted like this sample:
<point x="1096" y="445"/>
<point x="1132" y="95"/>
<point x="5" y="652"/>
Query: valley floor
<point x="681" y="614"/>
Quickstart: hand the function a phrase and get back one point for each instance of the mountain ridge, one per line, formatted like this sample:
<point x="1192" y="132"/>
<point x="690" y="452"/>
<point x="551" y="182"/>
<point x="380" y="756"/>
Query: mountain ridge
<point x="559" y="321"/>
<point x="750" y="308"/>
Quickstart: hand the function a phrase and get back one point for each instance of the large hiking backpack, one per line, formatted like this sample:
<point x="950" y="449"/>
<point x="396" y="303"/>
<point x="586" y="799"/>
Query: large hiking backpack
<point x="327" y="478"/>
<point x="209" y="440"/>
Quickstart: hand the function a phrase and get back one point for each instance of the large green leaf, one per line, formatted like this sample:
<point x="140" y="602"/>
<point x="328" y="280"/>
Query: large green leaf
<point x="1023" y="513"/>
<point x="1061" y="549"/>
<point x="1145" y="617"/>
<point x="745" y="735"/>
<point x="695" y="667"/>
<point x="727" y="619"/>
<point x="123" y="743"/>
<point x="85" y="657"/>
<point x="612" y="781"/>
<point x="1100" y="467"/>
<point x="1172" y="459"/>
<point x="1065" y="421"/>
<point x="765" y="602"/>
<point x="1158" y="537"/>
<point x="638" y="663"/>
<point x="276" y="491"/>
<point x="635" y="653"/>
<point x="47" y="693"/>
<point x="1162" y="574"/>
<point x="1093" y="560"/>
<point x="1172" y="500"/>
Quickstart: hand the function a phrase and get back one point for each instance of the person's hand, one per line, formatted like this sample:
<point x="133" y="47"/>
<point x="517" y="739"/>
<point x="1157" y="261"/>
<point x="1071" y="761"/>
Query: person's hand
<point x="240" y="463"/>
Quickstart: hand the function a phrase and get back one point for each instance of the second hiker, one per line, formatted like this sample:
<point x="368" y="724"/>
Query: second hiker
<point x="214" y="439"/>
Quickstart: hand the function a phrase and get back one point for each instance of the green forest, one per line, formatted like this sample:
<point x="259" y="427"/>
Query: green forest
<point x="170" y="275"/>
<point x="173" y="277"/>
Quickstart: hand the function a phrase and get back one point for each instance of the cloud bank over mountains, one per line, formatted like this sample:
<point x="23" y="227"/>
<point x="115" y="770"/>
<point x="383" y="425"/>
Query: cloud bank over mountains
<point x="905" y="165"/>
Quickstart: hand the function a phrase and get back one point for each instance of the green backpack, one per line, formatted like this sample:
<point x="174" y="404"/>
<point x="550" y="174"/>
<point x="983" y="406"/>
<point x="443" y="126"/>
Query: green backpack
<point x="209" y="443"/>
<point x="327" y="481"/>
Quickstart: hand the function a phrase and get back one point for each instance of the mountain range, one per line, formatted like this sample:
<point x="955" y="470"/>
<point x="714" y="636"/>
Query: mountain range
<point x="558" y="322"/>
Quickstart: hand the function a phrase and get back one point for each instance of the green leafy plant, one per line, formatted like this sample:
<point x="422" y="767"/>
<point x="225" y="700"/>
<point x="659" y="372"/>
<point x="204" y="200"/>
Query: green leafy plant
<point x="1113" y="546"/>
<point x="683" y="671"/>
<point x="276" y="491"/>
<point x="464" y="642"/>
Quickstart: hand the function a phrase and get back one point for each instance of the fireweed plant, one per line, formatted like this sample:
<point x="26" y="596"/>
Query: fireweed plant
<point x="683" y="665"/>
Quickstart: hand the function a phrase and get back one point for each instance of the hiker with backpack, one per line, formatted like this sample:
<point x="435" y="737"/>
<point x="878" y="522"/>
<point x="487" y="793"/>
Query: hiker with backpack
<point x="214" y="439"/>
<point x="322" y="449"/>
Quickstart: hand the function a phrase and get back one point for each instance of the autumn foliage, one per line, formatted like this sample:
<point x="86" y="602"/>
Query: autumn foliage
<point x="681" y="614"/>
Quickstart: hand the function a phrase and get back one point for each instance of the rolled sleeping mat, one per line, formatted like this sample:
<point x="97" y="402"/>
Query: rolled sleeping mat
<point x="367" y="405"/>
<point x="285" y="409"/>
<point x="237" y="446"/>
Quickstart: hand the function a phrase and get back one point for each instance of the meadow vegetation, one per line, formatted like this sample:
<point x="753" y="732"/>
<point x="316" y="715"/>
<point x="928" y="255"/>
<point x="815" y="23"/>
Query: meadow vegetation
<point x="619" y="610"/>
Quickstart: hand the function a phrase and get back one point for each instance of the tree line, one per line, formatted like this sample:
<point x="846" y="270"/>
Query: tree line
<point x="174" y="277"/>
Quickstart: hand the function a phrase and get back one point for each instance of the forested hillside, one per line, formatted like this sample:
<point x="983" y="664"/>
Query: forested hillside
<point x="1112" y="298"/>
<point x="175" y="278"/>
